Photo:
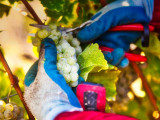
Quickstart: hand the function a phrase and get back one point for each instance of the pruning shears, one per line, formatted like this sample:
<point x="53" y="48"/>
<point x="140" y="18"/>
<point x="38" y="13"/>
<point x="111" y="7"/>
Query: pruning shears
<point x="130" y="27"/>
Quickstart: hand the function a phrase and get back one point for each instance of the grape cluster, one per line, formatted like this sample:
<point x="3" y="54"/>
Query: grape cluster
<point x="68" y="48"/>
<point x="127" y="76"/>
<point x="11" y="111"/>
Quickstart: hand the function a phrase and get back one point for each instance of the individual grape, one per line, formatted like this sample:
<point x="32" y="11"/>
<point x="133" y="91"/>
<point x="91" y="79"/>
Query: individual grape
<point x="70" y="37"/>
<point x="53" y="26"/>
<point x="74" y="68"/>
<point x="1" y="116"/>
<point x="16" y="109"/>
<point x="43" y="33"/>
<point x="74" y="84"/>
<point x="56" y="33"/>
<point x="75" y="42"/>
<point x="9" y="107"/>
<point x="36" y="42"/>
<point x="59" y="66"/>
<point x="69" y="52"/>
<point x="62" y="41"/>
<point x="14" y="115"/>
<point x="123" y="81"/>
<point x="21" y="114"/>
<point x="67" y="77"/>
<point x="59" y="56"/>
<point x="65" y="36"/>
<point x="54" y="38"/>
<point x="65" y="46"/>
<point x="8" y="114"/>
<point x="74" y="76"/>
<point x="2" y="103"/>
<point x="59" y="48"/>
<point x="66" y="68"/>
<point x="78" y="50"/>
<point x="2" y="108"/>
<point x="71" y="60"/>
<point x="62" y="61"/>
<point x="121" y="90"/>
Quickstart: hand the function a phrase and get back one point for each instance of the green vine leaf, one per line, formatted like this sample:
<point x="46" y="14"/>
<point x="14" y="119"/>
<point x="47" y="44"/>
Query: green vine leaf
<point x="55" y="5"/>
<point x="4" y="9"/>
<point x="12" y="1"/>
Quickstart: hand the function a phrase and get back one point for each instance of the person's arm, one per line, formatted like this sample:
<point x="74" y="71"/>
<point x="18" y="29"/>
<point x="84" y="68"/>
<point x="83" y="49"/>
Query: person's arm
<point x="156" y="16"/>
<point x="120" y="12"/>
<point x="91" y="115"/>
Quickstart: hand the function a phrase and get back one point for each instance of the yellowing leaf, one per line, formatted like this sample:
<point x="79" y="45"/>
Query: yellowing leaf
<point x="108" y="79"/>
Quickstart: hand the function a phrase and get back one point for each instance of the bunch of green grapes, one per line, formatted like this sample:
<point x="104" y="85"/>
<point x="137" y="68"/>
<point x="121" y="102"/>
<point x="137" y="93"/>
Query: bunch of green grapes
<point x="127" y="76"/>
<point x="11" y="111"/>
<point x="68" y="48"/>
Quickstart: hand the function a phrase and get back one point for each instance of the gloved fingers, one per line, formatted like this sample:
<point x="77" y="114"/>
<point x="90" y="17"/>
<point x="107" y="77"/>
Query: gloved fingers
<point x="116" y="57"/>
<point x="112" y="18"/>
<point x="124" y="63"/>
<point x="48" y="60"/>
<point x="50" y="54"/>
<point x="97" y="28"/>
<point x="31" y="74"/>
<point x="108" y="56"/>
<point x="121" y="39"/>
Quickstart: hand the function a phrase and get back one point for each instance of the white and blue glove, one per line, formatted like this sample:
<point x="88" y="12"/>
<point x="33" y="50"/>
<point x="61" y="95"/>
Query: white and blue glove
<point x="46" y="92"/>
<point x="119" y="12"/>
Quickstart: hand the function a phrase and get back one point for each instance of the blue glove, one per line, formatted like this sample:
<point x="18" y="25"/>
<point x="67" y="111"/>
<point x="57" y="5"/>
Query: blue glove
<point x="117" y="13"/>
<point x="46" y="92"/>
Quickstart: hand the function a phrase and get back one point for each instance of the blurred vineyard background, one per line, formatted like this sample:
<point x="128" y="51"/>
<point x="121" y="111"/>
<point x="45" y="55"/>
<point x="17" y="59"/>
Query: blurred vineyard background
<point x="15" y="40"/>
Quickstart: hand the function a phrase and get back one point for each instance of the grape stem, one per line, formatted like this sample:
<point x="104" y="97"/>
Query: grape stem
<point x="2" y="70"/>
<point x="146" y="86"/>
<point x="14" y="82"/>
<point x="9" y="92"/>
<point x="9" y="96"/>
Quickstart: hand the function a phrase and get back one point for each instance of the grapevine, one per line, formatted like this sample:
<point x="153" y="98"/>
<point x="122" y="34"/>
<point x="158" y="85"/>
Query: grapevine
<point x="68" y="48"/>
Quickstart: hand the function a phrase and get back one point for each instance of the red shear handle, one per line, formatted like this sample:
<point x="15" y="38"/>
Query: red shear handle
<point x="129" y="56"/>
<point x="131" y="27"/>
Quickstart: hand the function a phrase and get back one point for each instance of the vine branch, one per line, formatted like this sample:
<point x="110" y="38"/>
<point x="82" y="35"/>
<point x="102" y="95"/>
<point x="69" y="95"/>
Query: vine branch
<point x="33" y="13"/>
<point x="14" y="82"/>
<point x="146" y="86"/>
<point x="9" y="96"/>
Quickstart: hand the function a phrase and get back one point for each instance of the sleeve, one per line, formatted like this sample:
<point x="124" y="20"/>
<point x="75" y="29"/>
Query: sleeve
<point x="91" y="115"/>
<point x="156" y="16"/>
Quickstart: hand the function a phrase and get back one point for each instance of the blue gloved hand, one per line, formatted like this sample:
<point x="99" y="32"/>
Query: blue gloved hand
<point x="46" y="92"/>
<point x="117" y="13"/>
